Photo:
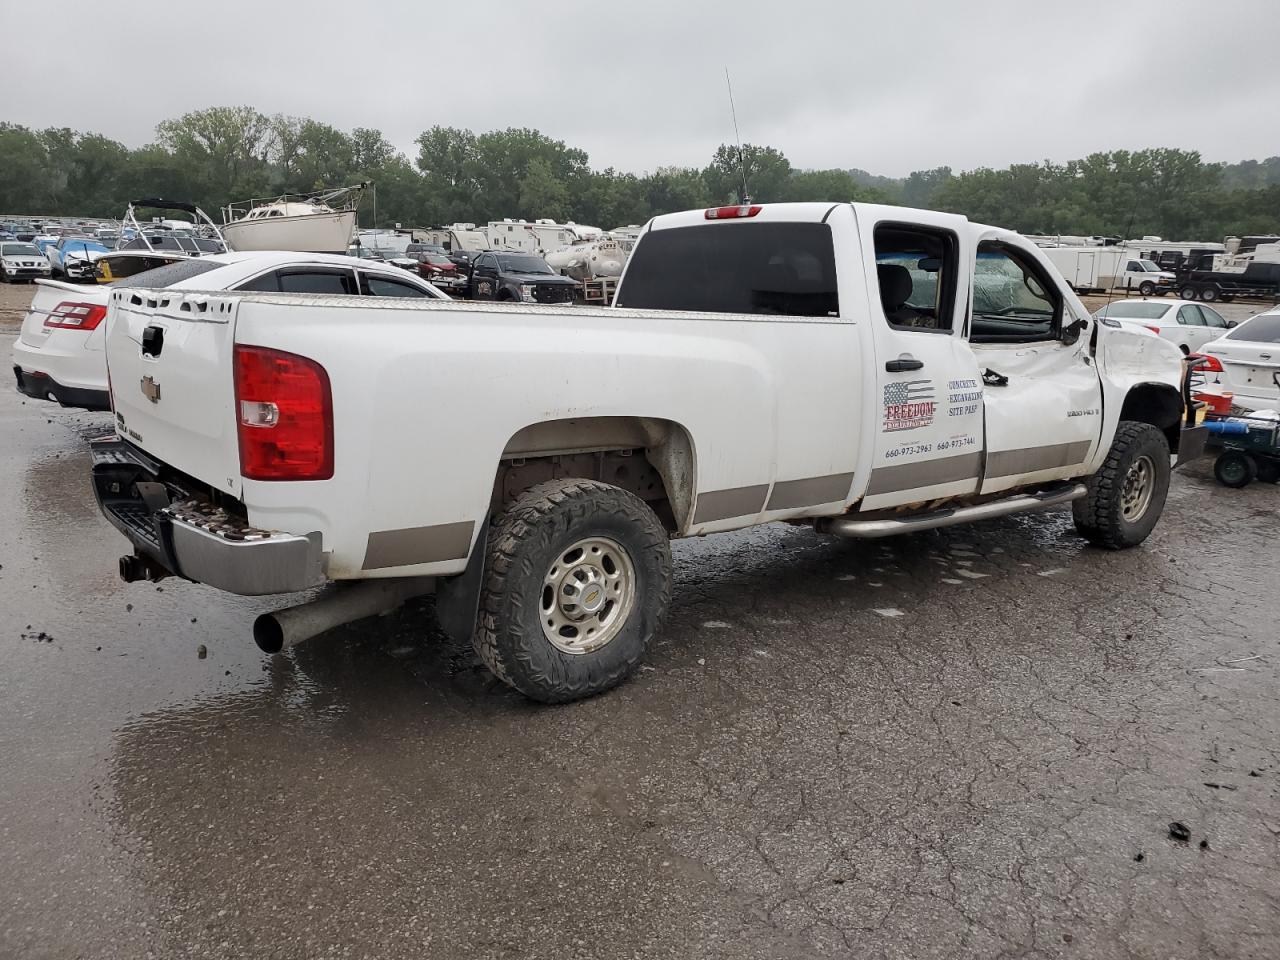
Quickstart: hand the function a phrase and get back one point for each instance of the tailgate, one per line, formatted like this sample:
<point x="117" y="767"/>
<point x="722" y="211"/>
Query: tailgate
<point x="169" y="361"/>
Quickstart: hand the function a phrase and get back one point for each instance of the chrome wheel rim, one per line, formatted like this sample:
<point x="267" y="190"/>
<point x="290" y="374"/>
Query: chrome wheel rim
<point x="1139" y="483"/>
<point x="587" y="595"/>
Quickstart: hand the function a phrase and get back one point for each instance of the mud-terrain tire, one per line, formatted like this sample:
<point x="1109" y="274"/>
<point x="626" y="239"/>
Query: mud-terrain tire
<point x="546" y="552"/>
<point x="1268" y="470"/>
<point x="1235" y="469"/>
<point x="1127" y="494"/>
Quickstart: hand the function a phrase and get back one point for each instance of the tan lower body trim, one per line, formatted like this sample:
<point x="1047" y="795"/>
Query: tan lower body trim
<point x="926" y="473"/>
<point x="402" y="548"/>
<point x="1007" y="463"/>
<point x="809" y="492"/>
<point x="723" y="504"/>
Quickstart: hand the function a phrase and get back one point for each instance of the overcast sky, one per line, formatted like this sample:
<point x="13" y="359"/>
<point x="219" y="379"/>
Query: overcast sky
<point x="890" y="87"/>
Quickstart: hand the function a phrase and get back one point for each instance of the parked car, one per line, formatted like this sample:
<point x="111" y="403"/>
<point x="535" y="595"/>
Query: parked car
<point x="74" y="257"/>
<point x="1246" y="362"/>
<point x="531" y="464"/>
<point x="59" y="353"/>
<point x="418" y="250"/>
<point x="22" y="261"/>
<point x="431" y="265"/>
<point x="519" y="276"/>
<point x="365" y="253"/>
<point x="1187" y="325"/>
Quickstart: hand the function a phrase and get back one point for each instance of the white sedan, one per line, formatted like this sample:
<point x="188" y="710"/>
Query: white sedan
<point x="59" y="354"/>
<point x="1183" y="323"/>
<point x="1246" y="362"/>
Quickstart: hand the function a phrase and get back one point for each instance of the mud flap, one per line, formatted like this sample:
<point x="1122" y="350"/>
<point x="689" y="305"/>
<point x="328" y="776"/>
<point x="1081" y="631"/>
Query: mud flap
<point x="458" y="598"/>
<point x="1191" y="444"/>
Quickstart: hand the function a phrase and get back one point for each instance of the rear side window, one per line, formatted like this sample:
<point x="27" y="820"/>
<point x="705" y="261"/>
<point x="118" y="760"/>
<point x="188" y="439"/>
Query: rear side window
<point x="1264" y="328"/>
<point x="169" y="274"/>
<point x="916" y="271"/>
<point x="785" y="269"/>
<point x="317" y="281"/>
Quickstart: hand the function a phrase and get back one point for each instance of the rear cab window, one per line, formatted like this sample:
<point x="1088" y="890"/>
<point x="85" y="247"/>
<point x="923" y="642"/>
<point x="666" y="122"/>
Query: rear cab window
<point x="784" y="269"/>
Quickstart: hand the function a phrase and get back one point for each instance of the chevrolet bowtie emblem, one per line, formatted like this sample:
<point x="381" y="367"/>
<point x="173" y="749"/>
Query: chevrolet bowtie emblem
<point x="151" y="389"/>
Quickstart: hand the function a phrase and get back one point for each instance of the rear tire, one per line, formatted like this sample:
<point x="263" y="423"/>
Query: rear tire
<point x="549" y="553"/>
<point x="1187" y="293"/>
<point x="1235" y="469"/>
<point x="1126" y="496"/>
<point x="1211" y="293"/>
<point x="1268" y="470"/>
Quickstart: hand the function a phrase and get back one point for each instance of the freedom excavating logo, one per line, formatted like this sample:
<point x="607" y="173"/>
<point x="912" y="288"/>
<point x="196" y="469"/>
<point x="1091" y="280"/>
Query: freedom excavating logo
<point x="908" y="404"/>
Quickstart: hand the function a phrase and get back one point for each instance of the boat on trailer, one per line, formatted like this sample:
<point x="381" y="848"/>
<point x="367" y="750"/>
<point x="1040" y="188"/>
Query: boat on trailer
<point x="316" y="223"/>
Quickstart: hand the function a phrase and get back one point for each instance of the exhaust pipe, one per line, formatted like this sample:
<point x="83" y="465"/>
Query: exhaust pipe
<point x="274" y="632"/>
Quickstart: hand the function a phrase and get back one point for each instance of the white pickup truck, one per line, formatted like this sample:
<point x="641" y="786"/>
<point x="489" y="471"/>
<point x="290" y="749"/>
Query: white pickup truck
<point x="865" y="369"/>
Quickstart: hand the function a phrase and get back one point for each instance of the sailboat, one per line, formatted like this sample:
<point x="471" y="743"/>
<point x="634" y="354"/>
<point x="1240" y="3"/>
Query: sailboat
<point x="315" y="223"/>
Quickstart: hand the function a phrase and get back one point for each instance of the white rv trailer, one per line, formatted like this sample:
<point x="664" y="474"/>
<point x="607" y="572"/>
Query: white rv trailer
<point x="539" y="237"/>
<point x="1096" y="269"/>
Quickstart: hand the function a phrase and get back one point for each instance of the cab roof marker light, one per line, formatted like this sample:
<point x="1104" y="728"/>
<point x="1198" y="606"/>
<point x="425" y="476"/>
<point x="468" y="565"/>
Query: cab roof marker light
<point x="736" y="212"/>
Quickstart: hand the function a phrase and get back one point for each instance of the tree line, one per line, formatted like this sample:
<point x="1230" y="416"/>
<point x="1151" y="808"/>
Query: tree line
<point x="221" y="154"/>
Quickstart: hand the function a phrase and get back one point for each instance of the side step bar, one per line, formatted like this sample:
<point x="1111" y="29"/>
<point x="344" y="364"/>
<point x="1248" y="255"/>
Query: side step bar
<point x="1021" y="503"/>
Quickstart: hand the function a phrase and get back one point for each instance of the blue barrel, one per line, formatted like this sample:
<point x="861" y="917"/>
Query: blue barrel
<point x="1227" y="428"/>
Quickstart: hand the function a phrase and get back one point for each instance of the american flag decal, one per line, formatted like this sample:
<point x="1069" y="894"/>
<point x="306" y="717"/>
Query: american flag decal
<point x="908" y="404"/>
<point x="908" y="391"/>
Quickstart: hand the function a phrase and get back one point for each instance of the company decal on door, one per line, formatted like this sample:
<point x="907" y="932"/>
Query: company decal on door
<point x="908" y="405"/>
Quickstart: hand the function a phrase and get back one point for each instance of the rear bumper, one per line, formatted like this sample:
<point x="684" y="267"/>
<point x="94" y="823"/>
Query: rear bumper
<point x="192" y="538"/>
<point x="42" y="387"/>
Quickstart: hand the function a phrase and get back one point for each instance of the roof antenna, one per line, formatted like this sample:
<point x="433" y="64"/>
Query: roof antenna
<point x="1111" y="292"/>
<point x="742" y="163"/>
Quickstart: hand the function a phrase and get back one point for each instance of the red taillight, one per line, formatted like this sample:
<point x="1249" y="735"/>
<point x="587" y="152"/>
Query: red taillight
<point x="1155" y="330"/>
<point x="732" y="213"/>
<point x="284" y="416"/>
<point x="70" y="315"/>
<point x="1209" y="364"/>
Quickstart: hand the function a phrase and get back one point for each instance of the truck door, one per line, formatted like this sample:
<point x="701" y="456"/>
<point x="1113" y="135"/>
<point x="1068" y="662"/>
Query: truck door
<point x="1040" y="388"/>
<point x="926" y="409"/>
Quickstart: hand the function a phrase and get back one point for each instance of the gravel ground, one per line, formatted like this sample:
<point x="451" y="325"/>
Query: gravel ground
<point x="965" y="743"/>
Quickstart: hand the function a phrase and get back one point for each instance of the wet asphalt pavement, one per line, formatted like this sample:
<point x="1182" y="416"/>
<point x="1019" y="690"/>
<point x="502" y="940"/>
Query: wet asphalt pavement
<point x="968" y="743"/>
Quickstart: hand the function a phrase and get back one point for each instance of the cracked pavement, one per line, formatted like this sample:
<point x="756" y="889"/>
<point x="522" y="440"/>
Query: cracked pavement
<point x="965" y="743"/>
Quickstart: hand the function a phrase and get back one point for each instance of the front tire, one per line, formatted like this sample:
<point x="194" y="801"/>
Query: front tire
<point x="577" y="581"/>
<point x="1146" y="288"/>
<point x="1126" y="496"/>
<point x="1235" y="469"/>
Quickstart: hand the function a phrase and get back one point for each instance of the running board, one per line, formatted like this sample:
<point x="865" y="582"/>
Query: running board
<point x="1023" y="502"/>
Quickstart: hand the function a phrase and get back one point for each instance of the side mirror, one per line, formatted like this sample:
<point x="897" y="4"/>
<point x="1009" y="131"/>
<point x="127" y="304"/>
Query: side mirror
<point x="1071" y="332"/>
<point x="1231" y="324"/>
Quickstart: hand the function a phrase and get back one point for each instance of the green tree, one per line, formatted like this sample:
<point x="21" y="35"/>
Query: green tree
<point x="229" y="149"/>
<point x="767" y="172"/>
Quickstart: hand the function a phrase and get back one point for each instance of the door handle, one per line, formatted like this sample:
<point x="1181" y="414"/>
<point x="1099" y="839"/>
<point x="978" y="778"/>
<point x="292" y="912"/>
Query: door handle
<point x="903" y="365"/>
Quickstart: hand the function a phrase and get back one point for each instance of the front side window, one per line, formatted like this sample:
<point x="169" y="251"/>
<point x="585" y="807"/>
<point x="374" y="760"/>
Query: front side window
<point x="1014" y="301"/>
<point x="1189" y="315"/>
<point x="785" y="269"/>
<point x="1134" y="267"/>
<point x="1212" y="317"/>
<point x="916" y="270"/>
<point x="375" y="286"/>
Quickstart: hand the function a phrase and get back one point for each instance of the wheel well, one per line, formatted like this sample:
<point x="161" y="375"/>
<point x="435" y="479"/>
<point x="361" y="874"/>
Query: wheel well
<point x="1158" y="404"/>
<point x="650" y="457"/>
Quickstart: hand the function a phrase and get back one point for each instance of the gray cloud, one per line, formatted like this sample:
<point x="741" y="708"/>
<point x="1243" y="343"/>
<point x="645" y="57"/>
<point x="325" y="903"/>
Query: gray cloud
<point x="887" y="87"/>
